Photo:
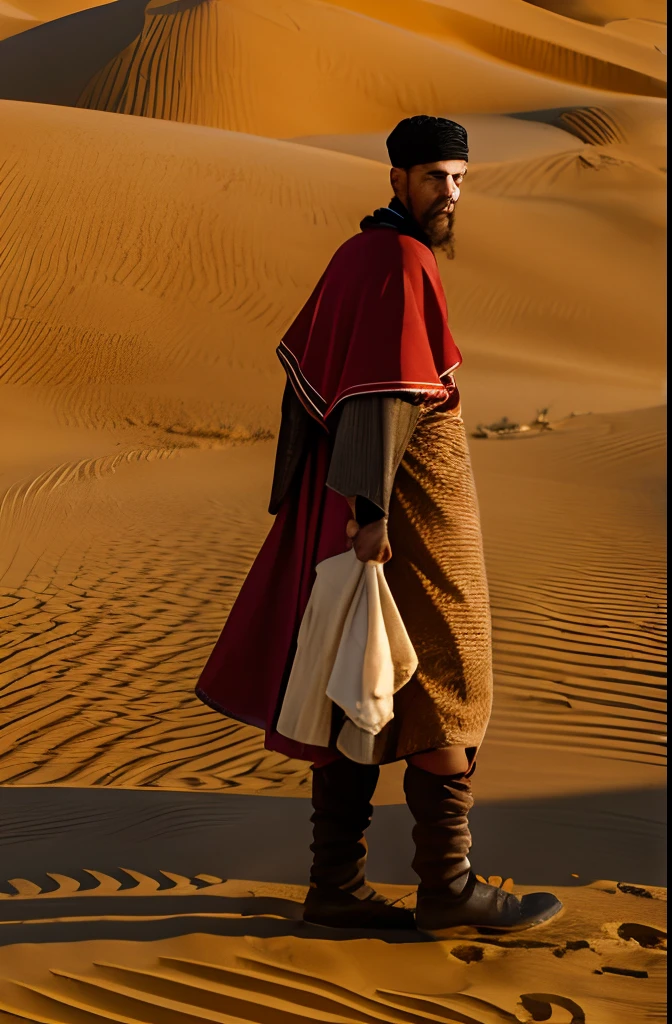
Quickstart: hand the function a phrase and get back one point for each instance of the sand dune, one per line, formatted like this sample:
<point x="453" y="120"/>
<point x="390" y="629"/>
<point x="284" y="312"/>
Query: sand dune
<point x="602" y="12"/>
<point x="648" y="33"/>
<point x="273" y="968"/>
<point x="119" y="620"/>
<point x="354" y="65"/>
<point x="54" y="61"/>
<point x="49" y="10"/>
<point x="571" y="649"/>
<point x="19" y="15"/>
<point x="492" y="138"/>
<point x="507" y="30"/>
<point x="13" y="20"/>
<point x="638" y="128"/>
<point x="172" y="327"/>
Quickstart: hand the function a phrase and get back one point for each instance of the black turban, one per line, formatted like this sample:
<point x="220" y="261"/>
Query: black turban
<point x="426" y="140"/>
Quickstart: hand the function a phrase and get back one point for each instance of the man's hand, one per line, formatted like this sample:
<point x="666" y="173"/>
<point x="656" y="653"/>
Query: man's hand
<point x="370" y="542"/>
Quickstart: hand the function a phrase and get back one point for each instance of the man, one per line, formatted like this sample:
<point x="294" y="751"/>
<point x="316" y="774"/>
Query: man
<point x="372" y="452"/>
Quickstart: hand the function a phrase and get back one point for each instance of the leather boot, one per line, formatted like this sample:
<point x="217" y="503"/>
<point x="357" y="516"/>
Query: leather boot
<point x="338" y="896"/>
<point x="450" y="897"/>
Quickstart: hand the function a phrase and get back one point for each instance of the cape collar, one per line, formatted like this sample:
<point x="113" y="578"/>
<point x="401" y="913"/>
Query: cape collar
<point x="395" y="216"/>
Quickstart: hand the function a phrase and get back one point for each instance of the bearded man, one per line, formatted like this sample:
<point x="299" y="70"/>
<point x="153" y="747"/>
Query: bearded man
<point x="372" y="452"/>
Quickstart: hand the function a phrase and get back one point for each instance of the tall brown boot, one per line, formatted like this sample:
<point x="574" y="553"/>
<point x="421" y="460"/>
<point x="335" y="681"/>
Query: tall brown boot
<point x="338" y="895"/>
<point x="449" y="895"/>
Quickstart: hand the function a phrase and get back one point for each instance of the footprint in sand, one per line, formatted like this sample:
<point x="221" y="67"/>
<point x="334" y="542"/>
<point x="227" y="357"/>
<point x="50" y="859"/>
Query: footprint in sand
<point x="540" y="1006"/>
<point x="645" y="935"/>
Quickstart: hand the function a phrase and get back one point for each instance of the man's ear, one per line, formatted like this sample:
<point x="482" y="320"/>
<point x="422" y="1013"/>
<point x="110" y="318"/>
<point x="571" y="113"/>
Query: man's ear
<point x="397" y="181"/>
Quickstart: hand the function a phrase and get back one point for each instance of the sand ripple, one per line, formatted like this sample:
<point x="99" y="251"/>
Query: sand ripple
<point x="126" y="301"/>
<point x="279" y="971"/>
<point x="114" y="624"/>
<point x="577" y="586"/>
<point x="213" y="63"/>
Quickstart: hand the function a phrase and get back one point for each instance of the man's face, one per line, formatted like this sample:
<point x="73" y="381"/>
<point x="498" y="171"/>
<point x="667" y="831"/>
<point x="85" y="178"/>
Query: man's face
<point x="430" y="193"/>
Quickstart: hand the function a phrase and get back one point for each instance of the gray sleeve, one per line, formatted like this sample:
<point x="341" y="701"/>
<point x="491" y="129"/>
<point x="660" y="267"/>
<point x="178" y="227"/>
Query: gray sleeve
<point x="371" y="437"/>
<point x="296" y="433"/>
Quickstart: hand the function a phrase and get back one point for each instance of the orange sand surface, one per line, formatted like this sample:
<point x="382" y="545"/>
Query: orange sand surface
<point x="248" y="958"/>
<point x="157" y="235"/>
<point x="18" y="15"/>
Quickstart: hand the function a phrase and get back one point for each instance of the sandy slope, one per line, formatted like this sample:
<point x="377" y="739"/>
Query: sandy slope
<point x="54" y="61"/>
<point x="604" y="12"/>
<point x="648" y="33"/>
<point x="123" y="567"/>
<point x="354" y="66"/>
<point x="19" y="15"/>
<point x="493" y="138"/>
<point x="167" y="259"/>
<point x="272" y="969"/>
<point x="13" y="20"/>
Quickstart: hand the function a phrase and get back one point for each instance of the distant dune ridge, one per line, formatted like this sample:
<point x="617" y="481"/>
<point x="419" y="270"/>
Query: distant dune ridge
<point x="200" y="215"/>
<point x="53" y="62"/>
<point x="606" y="12"/>
<point x="166" y="206"/>
<point x="19" y="15"/>
<point x="216" y="62"/>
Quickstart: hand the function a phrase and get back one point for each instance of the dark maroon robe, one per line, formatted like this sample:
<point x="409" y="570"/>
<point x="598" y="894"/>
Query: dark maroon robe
<point x="376" y="322"/>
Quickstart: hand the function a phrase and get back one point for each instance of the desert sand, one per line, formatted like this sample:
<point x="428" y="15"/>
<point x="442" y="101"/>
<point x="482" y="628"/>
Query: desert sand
<point x="235" y="964"/>
<point x="165" y="209"/>
<point x="19" y="15"/>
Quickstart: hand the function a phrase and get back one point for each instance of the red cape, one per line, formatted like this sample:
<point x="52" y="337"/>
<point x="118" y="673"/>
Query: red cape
<point x="248" y="669"/>
<point x="375" y="322"/>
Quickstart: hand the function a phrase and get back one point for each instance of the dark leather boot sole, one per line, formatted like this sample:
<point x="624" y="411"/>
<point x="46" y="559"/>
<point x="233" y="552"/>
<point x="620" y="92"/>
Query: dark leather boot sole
<point x="532" y="916"/>
<point x="346" y="911"/>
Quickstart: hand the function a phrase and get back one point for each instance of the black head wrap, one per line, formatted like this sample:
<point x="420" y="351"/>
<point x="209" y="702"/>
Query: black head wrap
<point x="426" y="140"/>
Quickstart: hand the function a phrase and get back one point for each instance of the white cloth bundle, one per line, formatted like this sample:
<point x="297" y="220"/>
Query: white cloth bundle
<point x="352" y="650"/>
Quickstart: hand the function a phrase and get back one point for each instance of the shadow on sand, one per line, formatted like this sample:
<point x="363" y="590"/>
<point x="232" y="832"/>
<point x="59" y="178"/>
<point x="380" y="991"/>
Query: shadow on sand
<point x="52" y="63"/>
<point x="145" y="918"/>
<point x="617" y="835"/>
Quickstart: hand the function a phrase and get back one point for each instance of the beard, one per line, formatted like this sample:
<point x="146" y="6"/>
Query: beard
<point x="440" y="230"/>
